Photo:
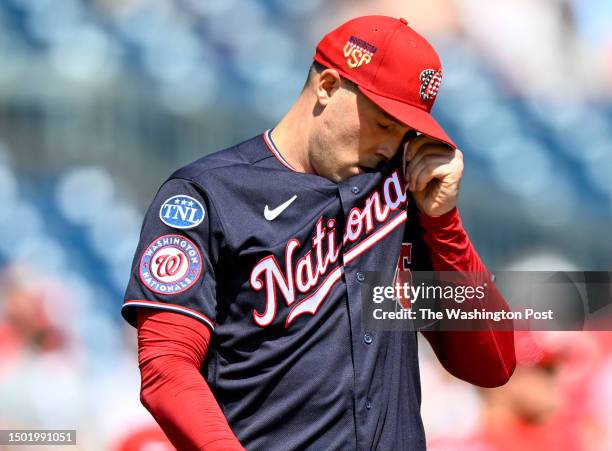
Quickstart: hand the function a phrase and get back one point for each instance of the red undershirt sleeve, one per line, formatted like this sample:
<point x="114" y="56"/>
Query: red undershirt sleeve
<point x="484" y="357"/>
<point x="171" y="351"/>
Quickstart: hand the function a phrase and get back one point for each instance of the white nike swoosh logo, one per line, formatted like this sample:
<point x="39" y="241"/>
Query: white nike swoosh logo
<point x="271" y="215"/>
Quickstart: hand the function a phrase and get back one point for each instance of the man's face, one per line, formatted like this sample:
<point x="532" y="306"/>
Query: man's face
<point x="353" y="135"/>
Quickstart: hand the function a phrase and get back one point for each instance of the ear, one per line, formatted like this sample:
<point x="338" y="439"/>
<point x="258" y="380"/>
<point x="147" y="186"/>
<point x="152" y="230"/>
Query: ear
<point x="328" y="84"/>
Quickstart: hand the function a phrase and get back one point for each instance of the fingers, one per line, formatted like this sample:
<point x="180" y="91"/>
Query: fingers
<point x="414" y="146"/>
<point x="427" y="151"/>
<point x="428" y="168"/>
<point x="421" y="148"/>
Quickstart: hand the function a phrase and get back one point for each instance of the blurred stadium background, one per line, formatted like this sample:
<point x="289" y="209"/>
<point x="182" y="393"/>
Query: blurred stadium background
<point x="100" y="100"/>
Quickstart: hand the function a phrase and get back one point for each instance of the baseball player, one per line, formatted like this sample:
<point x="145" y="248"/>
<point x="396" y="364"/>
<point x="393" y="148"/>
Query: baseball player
<point x="246" y="283"/>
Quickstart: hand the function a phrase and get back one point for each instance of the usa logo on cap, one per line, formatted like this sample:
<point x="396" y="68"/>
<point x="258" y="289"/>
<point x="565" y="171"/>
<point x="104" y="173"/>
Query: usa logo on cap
<point x="358" y="52"/>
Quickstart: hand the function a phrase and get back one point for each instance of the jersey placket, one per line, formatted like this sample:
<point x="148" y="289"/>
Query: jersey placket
<point x="351" y="195"/>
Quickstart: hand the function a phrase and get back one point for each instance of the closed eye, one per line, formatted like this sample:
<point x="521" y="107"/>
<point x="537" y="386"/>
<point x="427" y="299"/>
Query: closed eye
<point x="383" y="126"/>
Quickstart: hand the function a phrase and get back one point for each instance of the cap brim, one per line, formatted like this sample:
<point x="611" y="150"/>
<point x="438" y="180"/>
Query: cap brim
<point x="413" y="117"/>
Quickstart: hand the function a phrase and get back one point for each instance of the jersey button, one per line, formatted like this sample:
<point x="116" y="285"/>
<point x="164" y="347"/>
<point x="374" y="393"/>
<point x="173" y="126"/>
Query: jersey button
<point x="368" y="339"/>
<point x="360" y="276"/>
<point x="368" y="404"/>
<point x="355" y="189"/>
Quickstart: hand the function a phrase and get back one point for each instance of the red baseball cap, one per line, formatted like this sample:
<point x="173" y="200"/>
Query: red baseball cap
<point x="393" y="66"/>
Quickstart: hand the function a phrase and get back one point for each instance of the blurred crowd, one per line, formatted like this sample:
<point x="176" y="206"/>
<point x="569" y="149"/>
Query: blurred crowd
<point x="101" y="100"/>
<point x="557" y="399"/>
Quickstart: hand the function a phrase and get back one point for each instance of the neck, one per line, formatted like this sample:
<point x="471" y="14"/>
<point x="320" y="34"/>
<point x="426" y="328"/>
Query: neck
<point x="291" y="136"/>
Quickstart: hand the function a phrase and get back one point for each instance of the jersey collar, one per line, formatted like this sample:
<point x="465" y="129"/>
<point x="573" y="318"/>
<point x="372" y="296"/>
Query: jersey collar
<point x="267" y="137"/>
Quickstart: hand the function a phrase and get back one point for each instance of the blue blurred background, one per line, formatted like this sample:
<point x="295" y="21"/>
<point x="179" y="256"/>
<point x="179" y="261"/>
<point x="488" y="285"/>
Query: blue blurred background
<point x="100" y="100"/>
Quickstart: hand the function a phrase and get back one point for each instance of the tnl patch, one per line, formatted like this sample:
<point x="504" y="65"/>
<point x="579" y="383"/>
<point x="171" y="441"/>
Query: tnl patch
<point x="171" y="264"/>
<point x="358" y="52"/>
<point x="181" y="212"/>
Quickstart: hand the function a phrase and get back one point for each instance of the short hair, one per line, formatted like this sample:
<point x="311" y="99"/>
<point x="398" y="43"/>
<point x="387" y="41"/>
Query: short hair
<point x="316" y="68"/>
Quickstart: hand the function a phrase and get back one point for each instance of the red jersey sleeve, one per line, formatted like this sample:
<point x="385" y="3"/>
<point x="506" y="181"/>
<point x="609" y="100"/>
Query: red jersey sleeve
<point x="484" y="357"/>
<point x="171" y="351"/>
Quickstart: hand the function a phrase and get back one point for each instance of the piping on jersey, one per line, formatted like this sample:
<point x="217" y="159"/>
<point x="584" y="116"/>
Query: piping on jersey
<point x="268" y="140"/>
<point x="305" y="273"/>
<point x="171" y="308"/>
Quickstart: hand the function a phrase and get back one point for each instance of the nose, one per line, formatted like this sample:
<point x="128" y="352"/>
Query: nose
<point x="393" y="142"/>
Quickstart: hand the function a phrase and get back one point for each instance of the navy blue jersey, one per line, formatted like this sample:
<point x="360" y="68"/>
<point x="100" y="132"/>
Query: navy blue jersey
<point x="272" y="261"/>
